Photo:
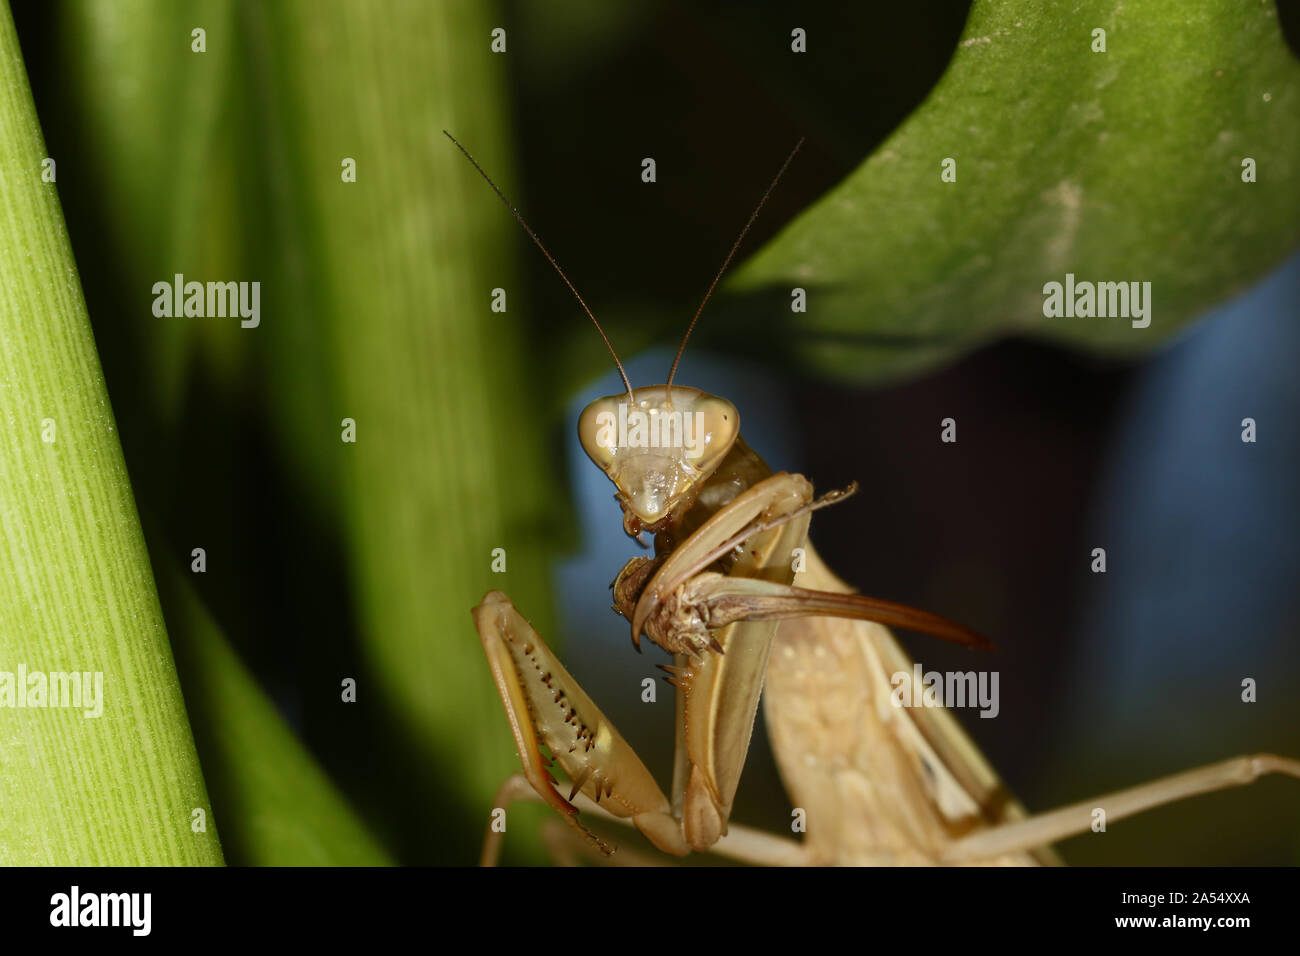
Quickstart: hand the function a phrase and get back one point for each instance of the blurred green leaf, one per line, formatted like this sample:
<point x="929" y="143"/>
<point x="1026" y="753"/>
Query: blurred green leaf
<point x="153" y="114"/>
<point x="450" y="460"/>
<point x="76" y="592"/>
<point x="275" y="805"/>
<point x="1117" y="166"/>
<point x="375" y="307"/>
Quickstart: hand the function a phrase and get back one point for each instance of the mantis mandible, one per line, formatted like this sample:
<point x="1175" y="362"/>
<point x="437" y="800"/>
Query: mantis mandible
<point x="739" y="597"/>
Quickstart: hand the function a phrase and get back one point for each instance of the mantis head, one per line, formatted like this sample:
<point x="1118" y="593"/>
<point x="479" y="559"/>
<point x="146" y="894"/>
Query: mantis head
<point x="658" y="444"/>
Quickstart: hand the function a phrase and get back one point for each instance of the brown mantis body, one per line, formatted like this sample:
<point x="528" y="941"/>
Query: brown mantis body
<point x="740" y="598"/>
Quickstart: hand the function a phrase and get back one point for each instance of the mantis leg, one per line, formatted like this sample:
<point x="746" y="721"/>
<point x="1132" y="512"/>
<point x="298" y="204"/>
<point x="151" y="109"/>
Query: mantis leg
<point x="741" y="843"/>
<point x="1044" y="828"/>
<point x="566" y="848"/>
<point x="722" y="627"/>
<point x="547" y="707"/>
<point x="563" y="845"/>
<point x="719" y="673"/>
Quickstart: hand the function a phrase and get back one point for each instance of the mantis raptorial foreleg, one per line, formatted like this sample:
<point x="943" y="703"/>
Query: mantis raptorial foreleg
<point x="721" y="627"/>
<point x="742" y="844"/>
<point x="546" y="706"/>
<point x="566" y="848"/>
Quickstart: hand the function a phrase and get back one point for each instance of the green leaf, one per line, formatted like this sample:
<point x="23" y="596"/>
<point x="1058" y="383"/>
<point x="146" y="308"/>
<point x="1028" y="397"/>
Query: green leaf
<point x="376" y="307"/>
<point x="1123" y="165"/>
<point x="153" y="114"/>
<point x="76" y="592"/>
<point x="275" y="804"/>
<point x="450" y="459"/>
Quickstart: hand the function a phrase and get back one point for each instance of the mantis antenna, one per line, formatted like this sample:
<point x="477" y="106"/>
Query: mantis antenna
<point x="556" y="265"/>
<point x="725" y="262"/>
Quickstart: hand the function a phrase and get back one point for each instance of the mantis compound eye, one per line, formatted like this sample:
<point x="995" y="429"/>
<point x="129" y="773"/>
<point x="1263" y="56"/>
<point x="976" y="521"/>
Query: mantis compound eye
<point x="661" y="447"/>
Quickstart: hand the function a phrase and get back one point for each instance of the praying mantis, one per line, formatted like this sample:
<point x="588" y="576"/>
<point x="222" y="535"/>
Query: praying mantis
<point x="740" y="598"/>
